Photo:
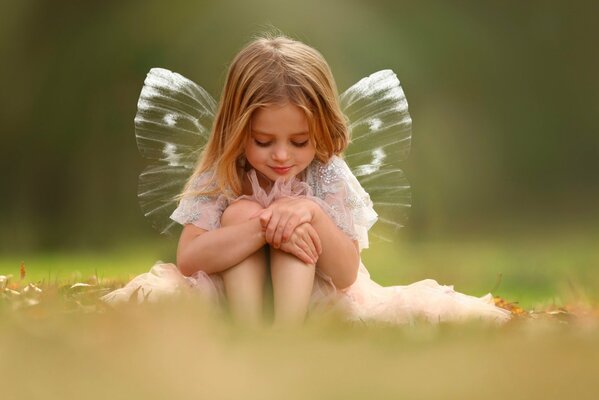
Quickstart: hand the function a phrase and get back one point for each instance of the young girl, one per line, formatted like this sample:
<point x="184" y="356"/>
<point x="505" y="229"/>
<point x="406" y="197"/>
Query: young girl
<point x="272" y="196"/>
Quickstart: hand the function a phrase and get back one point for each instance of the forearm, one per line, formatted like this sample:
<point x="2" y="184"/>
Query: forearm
<point x="340" y="256"/>
<point x="217" y="250"/>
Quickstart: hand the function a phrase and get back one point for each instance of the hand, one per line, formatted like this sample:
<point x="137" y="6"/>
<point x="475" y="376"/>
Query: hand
<point x="282" y="217"/>
<point x="304" y="243"/>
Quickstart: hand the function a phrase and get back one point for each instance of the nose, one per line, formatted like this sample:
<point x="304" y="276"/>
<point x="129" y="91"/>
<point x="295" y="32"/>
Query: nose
<point x="280" y="153"/>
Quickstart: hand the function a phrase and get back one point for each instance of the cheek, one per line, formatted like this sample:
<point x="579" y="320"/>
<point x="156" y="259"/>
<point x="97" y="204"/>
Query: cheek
<point x="308" y="155"/>
<point x="311" y="151"/>
<point x="248" y="152"/>
<point x="253" y="153"/>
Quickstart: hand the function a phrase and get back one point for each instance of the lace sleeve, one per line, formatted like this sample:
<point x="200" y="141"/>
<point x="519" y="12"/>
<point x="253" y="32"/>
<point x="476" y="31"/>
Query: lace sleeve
<point x="201" y="210"/>
<point x="342" y="197"/>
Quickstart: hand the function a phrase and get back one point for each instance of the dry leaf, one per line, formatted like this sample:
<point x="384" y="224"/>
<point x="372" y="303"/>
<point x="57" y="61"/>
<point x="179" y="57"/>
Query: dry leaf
<point x="511" y="307"/>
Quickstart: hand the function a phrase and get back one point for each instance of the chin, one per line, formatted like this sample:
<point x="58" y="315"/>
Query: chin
<point x="269" y="173"/>
<point x="274" y="177"/>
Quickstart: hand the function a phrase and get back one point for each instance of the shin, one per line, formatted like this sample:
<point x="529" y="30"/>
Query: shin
<point x="244" y="282"/>
<point x="292" y="281"/>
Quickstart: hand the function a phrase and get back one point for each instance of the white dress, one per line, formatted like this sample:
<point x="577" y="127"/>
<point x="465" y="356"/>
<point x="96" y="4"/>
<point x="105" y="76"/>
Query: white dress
<point x="339" y="194"/>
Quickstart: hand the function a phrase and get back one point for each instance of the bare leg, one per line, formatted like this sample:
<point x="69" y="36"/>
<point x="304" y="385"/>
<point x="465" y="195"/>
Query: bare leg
<point x="244" y="282"/>
<point x="292" y="282"/>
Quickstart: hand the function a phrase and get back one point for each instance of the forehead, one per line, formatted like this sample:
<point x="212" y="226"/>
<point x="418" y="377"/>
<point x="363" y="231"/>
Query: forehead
<point x="286" y="119"/>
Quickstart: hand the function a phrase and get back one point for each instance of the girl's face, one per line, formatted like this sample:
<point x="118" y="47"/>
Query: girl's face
<point x="279" y="142"/>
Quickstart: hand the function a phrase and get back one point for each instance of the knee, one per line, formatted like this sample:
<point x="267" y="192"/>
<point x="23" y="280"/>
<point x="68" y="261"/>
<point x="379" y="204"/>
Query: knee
<point x="240" y="211"/>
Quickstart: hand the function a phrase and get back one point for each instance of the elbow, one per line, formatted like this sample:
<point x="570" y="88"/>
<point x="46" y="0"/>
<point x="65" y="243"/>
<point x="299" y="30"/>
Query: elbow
<point x="188" y="249"/>
<point x="344" y="281"/>
<point x="350" y="275"/>
<point x="186" y="265"/>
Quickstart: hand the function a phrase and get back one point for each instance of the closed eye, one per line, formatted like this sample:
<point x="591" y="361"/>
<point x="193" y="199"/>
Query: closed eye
<point x="300" y="144"/>
<point x="262" y="144"/>
<point x="266" y="144"/>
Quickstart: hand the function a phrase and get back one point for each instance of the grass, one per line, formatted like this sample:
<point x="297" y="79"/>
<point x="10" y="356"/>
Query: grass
<point x="533" y="270"/>
<point x="177" y="350"/>
<point x="117" y="264"/>
<point x="66" y="344"/>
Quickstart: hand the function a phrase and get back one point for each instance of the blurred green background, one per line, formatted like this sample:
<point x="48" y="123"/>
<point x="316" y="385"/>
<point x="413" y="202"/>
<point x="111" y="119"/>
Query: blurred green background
<point x="504" y="97"/>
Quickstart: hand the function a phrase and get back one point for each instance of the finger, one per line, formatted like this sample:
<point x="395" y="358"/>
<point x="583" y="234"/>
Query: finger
<point x="308" y="246"/>
<point x="279" y="231"/>
<point x="302" y="255"/>
<point x="290" y="226"/>
<point x="265" y="216"/>
<point x="315" y="238"/>
<point x="298" y="240"/>
<point x="304" y="240"/>
<point x="271" y="228"/>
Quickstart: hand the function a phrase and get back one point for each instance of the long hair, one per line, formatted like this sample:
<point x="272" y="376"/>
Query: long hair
<point x="270" y="70"/>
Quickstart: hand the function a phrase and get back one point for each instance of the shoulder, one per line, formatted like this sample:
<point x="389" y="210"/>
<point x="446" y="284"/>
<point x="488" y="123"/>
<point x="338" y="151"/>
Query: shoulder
<point x="204" y="186"/>
<point x="335" y="170"/>
<point x="327" y="173"/>
<point x="200" y="203"/>
<point x="335" y="176"/>
<point x="202" y="182"/>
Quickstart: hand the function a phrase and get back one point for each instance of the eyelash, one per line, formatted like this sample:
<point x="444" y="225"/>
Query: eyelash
<point x="266" y="144"/>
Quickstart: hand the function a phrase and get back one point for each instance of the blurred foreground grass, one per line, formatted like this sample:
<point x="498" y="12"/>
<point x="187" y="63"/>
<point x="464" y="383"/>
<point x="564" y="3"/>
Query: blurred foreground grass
<point x="69" y="345"/>
<point x="177" y="349"/>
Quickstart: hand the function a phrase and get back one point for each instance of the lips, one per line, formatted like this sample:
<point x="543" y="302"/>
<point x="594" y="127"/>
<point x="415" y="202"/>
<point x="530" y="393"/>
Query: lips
<point x="281" y="170"/>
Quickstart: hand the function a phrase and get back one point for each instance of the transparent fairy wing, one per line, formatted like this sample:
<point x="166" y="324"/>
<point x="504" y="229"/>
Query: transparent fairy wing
<point x="172" y="125"/>
<point x="381" y="132"/>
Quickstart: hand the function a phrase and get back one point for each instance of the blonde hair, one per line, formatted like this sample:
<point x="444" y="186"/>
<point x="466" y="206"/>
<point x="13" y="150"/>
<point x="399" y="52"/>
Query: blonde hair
<point x="270" y="70"/>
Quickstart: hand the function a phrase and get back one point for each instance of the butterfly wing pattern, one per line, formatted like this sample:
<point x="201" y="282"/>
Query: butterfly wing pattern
<point x="172" y="125"/>
<point x="381" y="132"/>
<point x="175" y="115"/>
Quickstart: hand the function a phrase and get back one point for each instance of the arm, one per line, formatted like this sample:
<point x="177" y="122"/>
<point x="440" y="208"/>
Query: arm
<point x="219" y="249"/>
<point x="340" y="257"/>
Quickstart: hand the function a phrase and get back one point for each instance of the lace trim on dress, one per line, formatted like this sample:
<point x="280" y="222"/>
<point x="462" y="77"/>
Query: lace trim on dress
<point x="347" y="203"/>
<point x="202" y="211"/>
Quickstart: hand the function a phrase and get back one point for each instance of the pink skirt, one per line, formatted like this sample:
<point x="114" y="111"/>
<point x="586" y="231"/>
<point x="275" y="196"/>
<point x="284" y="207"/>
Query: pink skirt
<point x="365" y="300"/>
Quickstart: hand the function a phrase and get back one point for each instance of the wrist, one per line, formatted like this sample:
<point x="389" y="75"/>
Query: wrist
<point x="315" y="210"/>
